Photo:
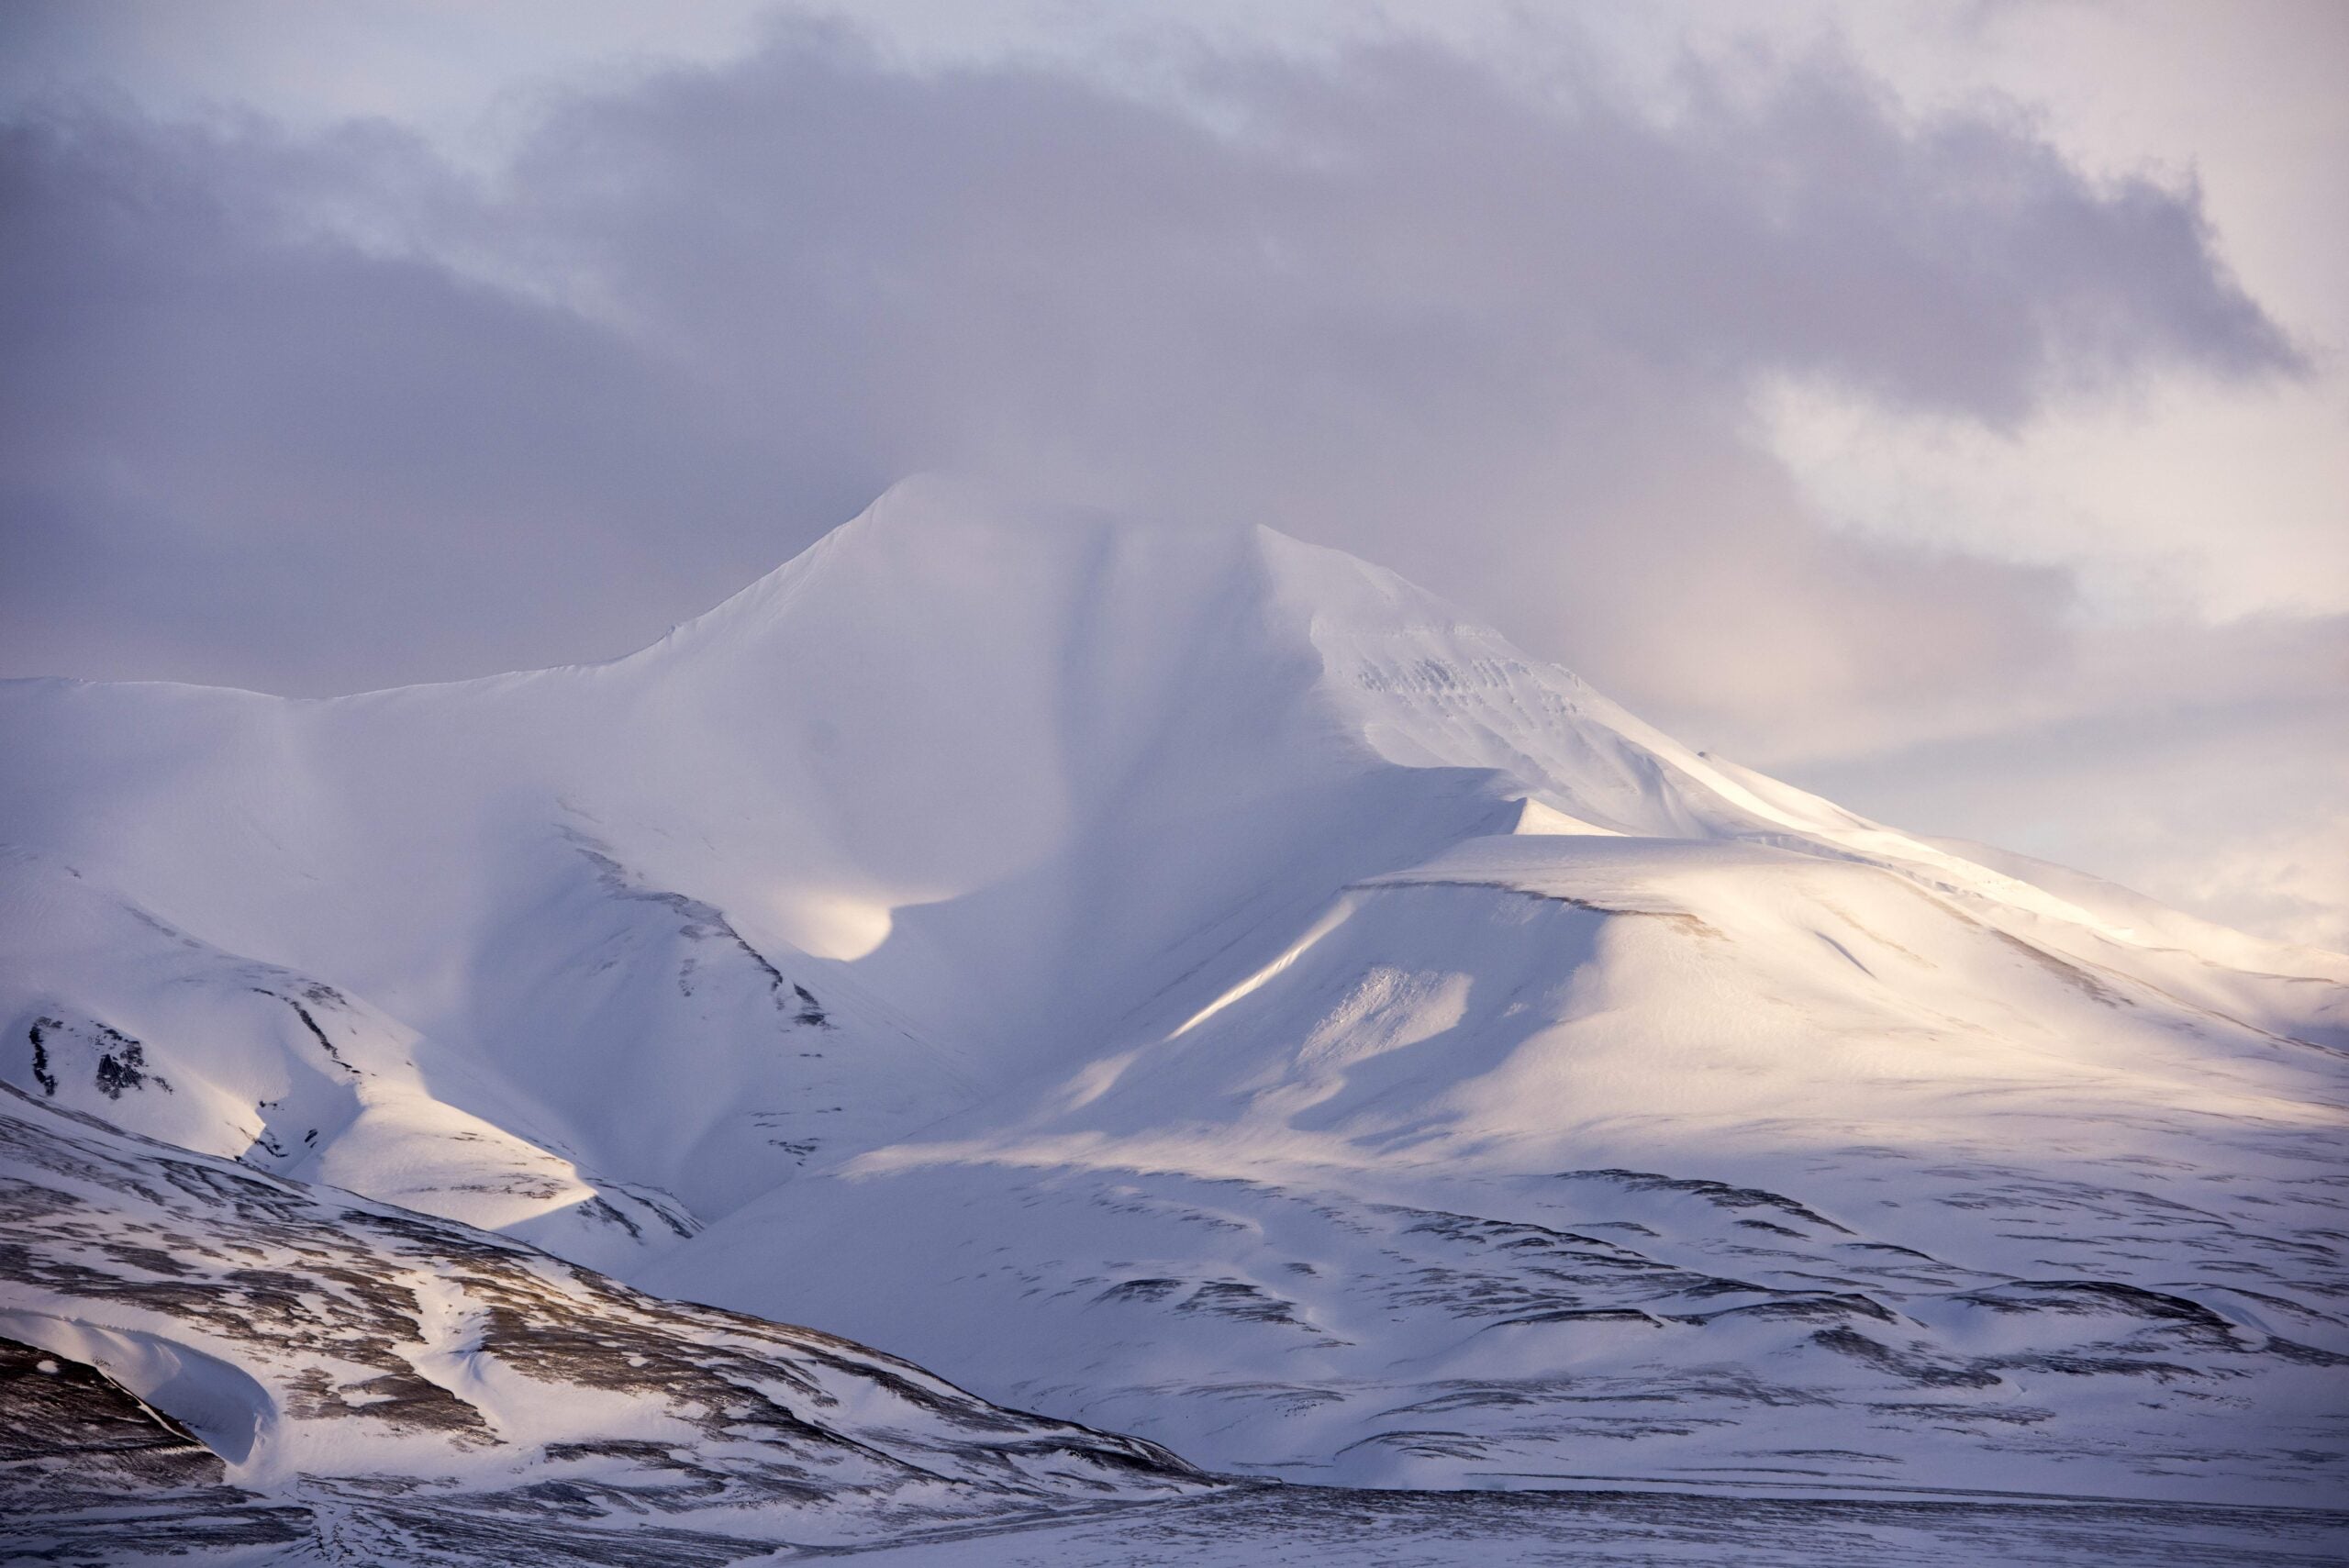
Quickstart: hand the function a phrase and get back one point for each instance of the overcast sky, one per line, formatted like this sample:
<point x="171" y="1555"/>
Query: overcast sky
<point x="1944" y="407"/>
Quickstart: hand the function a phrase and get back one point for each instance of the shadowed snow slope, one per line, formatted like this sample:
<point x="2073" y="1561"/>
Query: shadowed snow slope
<point x="1193" y="982"/>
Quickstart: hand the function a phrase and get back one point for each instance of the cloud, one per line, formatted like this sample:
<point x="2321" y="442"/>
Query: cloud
<point x="318" y="410"/>
<point x="241" y="445"/>
<point x="1355" y="299"/>
<point x="2206" y="766"/>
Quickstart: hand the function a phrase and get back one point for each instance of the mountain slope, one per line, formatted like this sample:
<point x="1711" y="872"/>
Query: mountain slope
<point x="1197" y="983"/>
<point x="1592" y="1158"/>
<point x="372" y="1383"/>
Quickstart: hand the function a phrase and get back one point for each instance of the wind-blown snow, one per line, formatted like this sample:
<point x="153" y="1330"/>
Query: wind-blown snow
<point x="1196" y="984"/>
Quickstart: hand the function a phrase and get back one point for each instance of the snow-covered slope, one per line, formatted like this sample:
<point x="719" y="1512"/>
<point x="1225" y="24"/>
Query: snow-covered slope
<point x="374" y="1386"/>
<point x="1195" y="982"/>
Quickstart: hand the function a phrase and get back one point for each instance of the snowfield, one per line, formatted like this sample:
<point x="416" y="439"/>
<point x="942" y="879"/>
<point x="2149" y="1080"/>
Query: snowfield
<point x="1194" y="983"/>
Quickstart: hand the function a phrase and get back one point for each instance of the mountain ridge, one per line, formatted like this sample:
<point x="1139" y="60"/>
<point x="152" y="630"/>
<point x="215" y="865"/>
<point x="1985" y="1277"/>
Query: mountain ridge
<point x="1199" y="983"/>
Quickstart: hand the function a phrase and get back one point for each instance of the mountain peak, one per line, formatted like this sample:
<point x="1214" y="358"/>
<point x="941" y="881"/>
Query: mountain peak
<point x="1198" y="979"/>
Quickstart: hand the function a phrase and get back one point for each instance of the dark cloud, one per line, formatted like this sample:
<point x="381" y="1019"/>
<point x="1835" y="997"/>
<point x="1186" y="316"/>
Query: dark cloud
<point x="311" y="414"/>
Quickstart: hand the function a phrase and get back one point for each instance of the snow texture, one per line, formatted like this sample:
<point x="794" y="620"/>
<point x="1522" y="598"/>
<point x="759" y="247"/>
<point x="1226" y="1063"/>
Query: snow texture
<point x="350" y="1381"/>
<point x="1195" y="983"/>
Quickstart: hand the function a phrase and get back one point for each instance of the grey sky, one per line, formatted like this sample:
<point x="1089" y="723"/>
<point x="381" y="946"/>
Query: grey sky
<point x="1885" y="405"/>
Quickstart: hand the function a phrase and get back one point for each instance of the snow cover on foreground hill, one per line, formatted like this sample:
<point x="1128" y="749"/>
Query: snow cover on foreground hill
<point x="374" y="1386"/>
<point x="1194" y="982"/>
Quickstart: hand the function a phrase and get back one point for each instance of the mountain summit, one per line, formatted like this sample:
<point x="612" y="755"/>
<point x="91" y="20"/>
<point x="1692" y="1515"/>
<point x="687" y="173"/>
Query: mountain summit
<point x="1194" y="983"/>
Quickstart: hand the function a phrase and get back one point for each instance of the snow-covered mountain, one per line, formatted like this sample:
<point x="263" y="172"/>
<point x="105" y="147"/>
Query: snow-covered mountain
<point x="1194" y="982"/>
